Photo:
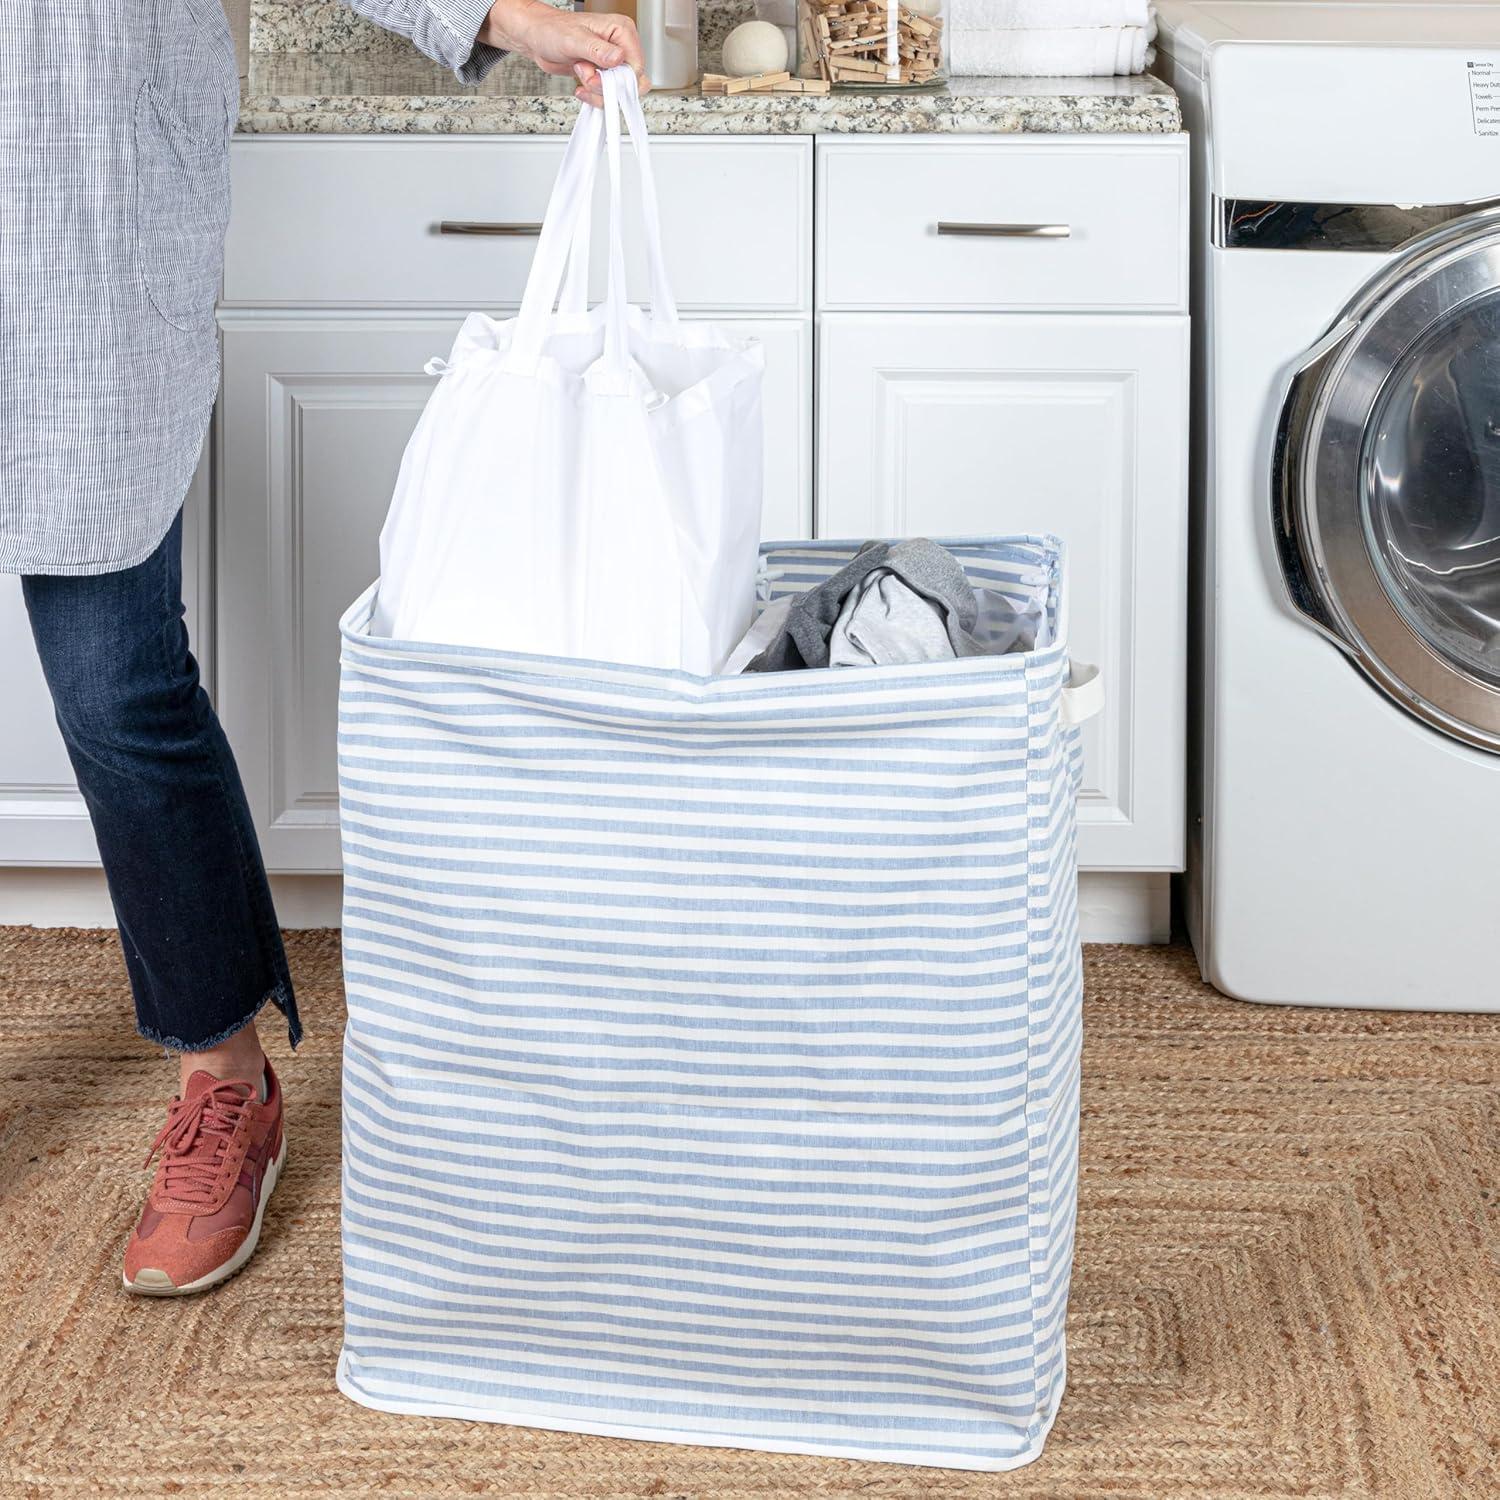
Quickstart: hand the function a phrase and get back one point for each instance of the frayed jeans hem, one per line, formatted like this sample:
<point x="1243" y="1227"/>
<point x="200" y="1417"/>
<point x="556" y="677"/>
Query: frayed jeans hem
<point x="279" y="995"/>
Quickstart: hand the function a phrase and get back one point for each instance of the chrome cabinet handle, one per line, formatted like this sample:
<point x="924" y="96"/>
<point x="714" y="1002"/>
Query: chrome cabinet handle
<point x="1008" y="231"/>
<point x="461" y="226"/>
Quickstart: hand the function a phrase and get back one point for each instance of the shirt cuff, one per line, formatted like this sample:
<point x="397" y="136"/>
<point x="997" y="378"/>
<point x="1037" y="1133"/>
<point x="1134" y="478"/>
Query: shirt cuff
<point x="447" y="30"/>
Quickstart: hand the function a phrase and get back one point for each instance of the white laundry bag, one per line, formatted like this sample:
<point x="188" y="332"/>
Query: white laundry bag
<point x="566" y="456"/>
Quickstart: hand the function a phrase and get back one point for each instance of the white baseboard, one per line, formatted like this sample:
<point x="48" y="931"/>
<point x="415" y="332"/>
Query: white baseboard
<point x="78" y="898"/>
<point x="1113" y="908"/>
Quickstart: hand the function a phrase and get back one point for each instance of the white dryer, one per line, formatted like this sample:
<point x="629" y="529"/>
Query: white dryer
<point x="1345" y="843"/>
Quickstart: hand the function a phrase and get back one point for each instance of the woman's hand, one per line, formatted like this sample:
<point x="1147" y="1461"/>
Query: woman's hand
<point x="565" y="41"/>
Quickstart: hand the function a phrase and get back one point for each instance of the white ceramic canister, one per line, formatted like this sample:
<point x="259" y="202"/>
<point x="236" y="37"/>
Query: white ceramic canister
<point x="669" y="37"/>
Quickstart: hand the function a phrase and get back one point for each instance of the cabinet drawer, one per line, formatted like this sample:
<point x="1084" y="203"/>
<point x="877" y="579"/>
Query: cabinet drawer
<point x="1112" y="216"/>
<point x="354" y="222"/>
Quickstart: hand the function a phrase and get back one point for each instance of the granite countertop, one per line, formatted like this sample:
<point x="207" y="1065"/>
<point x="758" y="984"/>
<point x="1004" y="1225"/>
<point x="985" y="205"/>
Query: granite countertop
<point x="317" y="68"/>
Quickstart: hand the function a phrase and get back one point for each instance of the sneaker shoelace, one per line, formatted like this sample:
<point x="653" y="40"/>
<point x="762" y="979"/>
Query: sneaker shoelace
<point x="193" y="1142"/>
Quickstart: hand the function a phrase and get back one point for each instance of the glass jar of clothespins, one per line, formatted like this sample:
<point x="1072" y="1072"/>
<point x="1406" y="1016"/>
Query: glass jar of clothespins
<point x="879" y="44"/>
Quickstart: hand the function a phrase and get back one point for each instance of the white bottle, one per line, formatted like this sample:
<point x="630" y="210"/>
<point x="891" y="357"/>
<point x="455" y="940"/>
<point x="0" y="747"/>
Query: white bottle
<point x="669" y="37"/>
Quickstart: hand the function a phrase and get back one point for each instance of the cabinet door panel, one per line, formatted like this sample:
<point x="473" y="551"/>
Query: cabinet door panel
<point x="42" y="817"/>
<point x="1075" y="425"/>
<point x="317" y="414"/>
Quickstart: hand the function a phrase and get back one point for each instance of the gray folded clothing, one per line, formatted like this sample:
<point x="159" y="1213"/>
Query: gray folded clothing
<point x="890" y="603"/>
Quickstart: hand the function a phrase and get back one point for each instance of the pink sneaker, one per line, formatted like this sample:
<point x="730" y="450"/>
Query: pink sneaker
<point x="221" y="1153"/>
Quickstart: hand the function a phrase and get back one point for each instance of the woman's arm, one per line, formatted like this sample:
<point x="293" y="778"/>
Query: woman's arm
<point x="471" y="36"/>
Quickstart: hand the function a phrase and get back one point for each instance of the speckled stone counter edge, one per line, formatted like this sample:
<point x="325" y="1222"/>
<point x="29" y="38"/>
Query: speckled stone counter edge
<point x="945" y="113"/>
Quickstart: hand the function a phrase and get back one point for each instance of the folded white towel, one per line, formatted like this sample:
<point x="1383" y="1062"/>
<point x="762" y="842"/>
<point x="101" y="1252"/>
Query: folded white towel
<point x="1047" y="15"/>
<point x="1077" y="52"/>
<point x="1007" y="15"/>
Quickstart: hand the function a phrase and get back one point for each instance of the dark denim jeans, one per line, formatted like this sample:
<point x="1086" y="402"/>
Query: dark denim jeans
<point x="180" y="854"/>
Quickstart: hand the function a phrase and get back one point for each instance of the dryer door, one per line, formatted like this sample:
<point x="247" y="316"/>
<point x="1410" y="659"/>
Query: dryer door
<point x="1387" y="481"/>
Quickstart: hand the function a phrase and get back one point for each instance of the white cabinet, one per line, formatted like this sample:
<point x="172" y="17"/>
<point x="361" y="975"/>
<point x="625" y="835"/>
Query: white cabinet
<point x="949" y="426"/>
<point x="338" y="288"/>
<point x="42" y="817"/>
<point x="317" y="410"/>
<point x="1003" y="347"/>
<point x="966" y="383"/>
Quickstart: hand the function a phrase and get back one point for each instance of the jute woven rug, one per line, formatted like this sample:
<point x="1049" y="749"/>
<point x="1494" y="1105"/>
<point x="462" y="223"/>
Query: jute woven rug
<point x="1287" y="1278"/>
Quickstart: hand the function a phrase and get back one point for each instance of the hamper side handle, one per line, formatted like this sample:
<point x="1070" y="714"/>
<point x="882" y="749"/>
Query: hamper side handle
<point x="1082" y="694"/>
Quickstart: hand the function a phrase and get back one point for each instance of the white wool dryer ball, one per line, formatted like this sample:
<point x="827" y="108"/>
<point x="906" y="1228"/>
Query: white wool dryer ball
<point x="755" y="47"/>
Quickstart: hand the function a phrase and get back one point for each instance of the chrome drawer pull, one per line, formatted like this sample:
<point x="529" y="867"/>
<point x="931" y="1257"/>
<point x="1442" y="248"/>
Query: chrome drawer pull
<point x="1009" y="231"/>
<point x="459" y="226"/>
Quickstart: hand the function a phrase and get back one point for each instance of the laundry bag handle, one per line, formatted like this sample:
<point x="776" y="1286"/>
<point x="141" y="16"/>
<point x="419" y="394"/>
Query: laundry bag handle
<point x="570" y="191"/>
<point x="561" y="259"/>
<point x="575" y="284"/>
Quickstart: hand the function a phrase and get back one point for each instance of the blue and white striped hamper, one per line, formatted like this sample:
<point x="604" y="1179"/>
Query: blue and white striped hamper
<point x="711" y="1072"/>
